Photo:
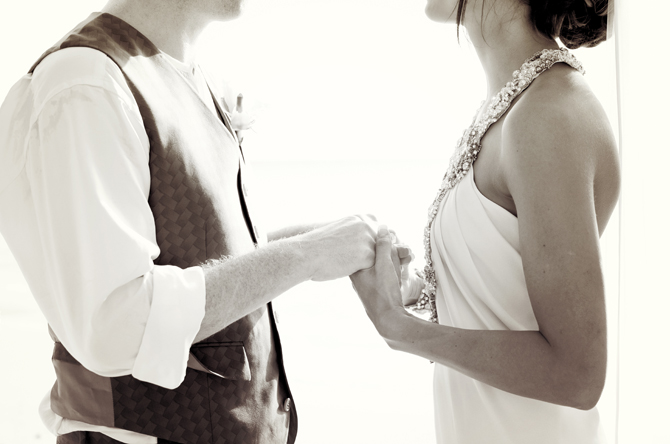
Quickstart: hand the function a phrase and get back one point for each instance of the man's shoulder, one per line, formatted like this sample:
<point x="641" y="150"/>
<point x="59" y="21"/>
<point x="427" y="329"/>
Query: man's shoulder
<point x="73" y="67"/>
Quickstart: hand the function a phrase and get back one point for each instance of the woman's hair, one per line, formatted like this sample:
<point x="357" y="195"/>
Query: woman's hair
<point x="576" y="22"/>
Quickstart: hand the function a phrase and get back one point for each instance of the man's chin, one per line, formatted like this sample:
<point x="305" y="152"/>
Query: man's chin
<point x="231" y="16"/>
<point x="232" y="11"/>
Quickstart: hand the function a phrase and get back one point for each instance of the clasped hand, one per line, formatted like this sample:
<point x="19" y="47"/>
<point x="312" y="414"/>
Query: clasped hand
<point x="387" y="286"/>
<point x="348" y="246"/>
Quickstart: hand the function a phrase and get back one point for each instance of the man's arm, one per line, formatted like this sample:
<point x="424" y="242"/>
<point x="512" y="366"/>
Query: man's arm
<point x="114" y="310"/>
<point x="94" y="234"/>
<point x="238" y="286"/>
<point x="293" y="230"/>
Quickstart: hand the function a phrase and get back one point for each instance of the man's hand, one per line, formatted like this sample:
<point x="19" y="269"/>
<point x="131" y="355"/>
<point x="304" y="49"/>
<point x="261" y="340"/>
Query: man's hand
<point x="378" y="286"/>
<point x="339" y="249"/>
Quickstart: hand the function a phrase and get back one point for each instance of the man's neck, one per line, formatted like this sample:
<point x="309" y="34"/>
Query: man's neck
<point x="169" y="24"/>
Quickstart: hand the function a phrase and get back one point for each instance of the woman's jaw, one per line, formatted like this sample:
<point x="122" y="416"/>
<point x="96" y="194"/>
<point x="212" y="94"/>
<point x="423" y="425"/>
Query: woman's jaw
<point x="443" y="11"/>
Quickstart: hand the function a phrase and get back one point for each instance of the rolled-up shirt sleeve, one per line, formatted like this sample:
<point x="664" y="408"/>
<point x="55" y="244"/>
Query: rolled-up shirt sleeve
<point x="88" y="167"/>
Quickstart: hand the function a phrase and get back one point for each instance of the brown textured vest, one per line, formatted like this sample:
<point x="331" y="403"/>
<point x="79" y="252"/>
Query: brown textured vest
<point x="235" y="389"/>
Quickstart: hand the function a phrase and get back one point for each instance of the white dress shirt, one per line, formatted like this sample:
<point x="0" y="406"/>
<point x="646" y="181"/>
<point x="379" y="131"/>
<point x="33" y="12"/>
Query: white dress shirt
<point x="74" y="188"/>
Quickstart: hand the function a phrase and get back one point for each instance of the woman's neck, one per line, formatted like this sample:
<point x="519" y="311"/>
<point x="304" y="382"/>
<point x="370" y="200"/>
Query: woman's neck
<point x="503" y="41"/>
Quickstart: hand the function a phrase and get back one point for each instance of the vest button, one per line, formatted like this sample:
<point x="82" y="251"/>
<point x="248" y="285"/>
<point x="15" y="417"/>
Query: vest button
<point x="287" y="404"/>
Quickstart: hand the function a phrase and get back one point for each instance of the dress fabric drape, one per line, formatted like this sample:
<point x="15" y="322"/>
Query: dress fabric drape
<point x="481" y="285"/>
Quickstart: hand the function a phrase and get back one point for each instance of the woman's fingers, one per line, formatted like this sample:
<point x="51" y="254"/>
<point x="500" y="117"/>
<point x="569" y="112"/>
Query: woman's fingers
<point x="405" y="254"/>
<point x="402" y="251"/>
<point x="384" y="243"/>
<point x="386" y="252"/>
<point x="378" y="287"/>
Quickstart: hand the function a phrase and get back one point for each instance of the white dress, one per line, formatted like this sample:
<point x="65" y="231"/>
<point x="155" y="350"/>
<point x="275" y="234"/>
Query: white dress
<point x="480" y="285"/>
<point x="476" y="258"/>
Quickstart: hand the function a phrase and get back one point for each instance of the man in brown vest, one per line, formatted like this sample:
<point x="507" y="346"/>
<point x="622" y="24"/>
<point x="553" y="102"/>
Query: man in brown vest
<point x="123" y="200"/>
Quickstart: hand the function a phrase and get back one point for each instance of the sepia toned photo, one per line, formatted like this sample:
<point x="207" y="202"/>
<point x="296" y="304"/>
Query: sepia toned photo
<point x="320" y="221"/>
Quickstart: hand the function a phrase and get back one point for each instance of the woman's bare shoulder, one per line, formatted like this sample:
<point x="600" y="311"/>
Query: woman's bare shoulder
<point x="559" y="120"/>
<point x="557" y="138"/>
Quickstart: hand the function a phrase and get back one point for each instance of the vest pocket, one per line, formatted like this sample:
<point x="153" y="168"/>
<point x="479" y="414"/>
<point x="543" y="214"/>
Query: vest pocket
<point x="225" y="359"/>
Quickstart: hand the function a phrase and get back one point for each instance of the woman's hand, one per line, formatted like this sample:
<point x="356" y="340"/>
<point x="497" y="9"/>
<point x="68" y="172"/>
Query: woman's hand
<point x="378" y="287"/>
<point x="402" y="251"/>
<point x="410" y="286"/>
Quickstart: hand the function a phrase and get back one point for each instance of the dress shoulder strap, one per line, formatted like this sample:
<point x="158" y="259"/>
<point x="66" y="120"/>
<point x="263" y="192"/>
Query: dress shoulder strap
<point x="532" y="68"/>
<point x="469" y="145"/>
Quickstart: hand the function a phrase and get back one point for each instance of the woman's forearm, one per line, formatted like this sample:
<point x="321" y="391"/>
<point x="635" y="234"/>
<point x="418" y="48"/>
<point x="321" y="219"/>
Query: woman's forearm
<point x="520" y="362"/>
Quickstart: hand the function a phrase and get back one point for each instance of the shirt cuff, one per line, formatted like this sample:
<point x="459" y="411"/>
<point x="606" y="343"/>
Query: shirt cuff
<point x="177" y="310"/>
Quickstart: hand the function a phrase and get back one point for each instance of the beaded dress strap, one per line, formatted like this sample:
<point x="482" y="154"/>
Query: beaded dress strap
<point x="468" y="148"/>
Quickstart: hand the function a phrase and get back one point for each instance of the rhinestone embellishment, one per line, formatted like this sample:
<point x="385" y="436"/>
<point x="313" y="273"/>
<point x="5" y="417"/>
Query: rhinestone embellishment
<point x="469" y="145"/>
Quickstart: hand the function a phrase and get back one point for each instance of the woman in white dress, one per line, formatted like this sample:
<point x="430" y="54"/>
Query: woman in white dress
<point x="513" y="277"/>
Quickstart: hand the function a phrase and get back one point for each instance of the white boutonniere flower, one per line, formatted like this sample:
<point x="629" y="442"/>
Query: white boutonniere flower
<point x="240" y="119"/>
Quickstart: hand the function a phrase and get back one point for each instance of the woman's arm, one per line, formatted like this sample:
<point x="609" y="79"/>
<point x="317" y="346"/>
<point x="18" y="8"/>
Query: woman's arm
<point x="550" y="160"/>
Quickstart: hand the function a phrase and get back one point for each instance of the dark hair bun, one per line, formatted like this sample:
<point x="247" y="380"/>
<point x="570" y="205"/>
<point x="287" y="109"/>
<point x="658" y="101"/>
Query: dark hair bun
<point x="576" y="22"/>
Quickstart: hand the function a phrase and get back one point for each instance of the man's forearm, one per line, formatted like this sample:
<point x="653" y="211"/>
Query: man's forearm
<point x="293" y="230"/>
<point x="238" y="286"/>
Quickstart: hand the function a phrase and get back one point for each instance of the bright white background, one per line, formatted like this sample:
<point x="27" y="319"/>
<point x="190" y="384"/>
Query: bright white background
<point x="359" y="104"/>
